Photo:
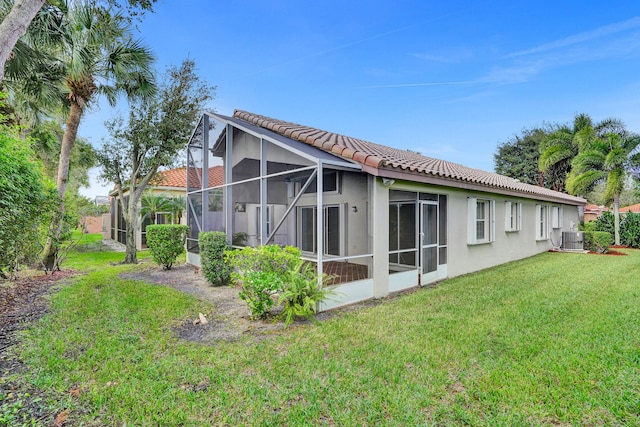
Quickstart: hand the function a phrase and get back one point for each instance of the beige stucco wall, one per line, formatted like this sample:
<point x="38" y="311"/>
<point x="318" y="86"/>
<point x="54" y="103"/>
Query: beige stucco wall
<point x="507" y="246"/>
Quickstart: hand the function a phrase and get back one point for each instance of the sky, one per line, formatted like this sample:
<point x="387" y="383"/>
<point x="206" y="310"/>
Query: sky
<point x="450" y="80"/>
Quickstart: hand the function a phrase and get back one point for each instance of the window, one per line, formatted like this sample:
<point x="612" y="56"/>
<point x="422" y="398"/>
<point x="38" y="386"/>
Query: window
<point x="330" y="183"/>
<point x="259" y="220"/>
<point x="556" y="217"/>
<point x="513" y="216"/>
<point x="481" y="223"/>
<point x="332" y="238"/>
<point x="542" y="222"/>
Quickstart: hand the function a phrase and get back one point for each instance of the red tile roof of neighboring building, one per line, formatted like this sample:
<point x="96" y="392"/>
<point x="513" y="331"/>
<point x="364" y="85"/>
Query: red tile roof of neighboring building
<point x="375" y="156"/>
<point x="632" y="208"/>
<point x="178" y="177"/>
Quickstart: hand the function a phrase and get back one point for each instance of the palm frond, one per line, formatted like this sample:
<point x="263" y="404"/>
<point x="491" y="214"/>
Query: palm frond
<point x="584" y="182"/>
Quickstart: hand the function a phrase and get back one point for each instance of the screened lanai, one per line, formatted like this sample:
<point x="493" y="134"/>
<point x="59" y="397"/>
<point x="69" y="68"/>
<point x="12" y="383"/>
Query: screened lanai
<point x="270" y="195"/>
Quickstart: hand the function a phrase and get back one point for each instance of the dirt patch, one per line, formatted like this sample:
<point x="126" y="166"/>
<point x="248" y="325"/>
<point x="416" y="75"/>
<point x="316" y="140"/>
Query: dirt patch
<point x="230" y="319"/>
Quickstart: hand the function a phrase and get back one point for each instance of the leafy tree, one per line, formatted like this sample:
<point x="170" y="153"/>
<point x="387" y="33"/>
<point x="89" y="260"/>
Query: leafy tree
<point x="630" y="230"/>
<point x="99" y="56"/>
<point x="609" y="160"/>
<point x="24" y="196"/>
<point x="156" y="131"/>
<point x="17" y="16"/>
<point x="518" y="157"/>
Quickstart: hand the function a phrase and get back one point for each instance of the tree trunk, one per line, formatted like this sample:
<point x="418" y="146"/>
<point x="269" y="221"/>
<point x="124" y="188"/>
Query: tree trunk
<point x="131" y="219"/>
<point x="62" y="177"/>
<point x="14" y="25"/>
<point x="616" y="216"/>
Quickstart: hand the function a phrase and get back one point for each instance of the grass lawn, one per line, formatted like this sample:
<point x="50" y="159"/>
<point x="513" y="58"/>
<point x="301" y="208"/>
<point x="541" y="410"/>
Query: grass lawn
<point x="550" y="340"/>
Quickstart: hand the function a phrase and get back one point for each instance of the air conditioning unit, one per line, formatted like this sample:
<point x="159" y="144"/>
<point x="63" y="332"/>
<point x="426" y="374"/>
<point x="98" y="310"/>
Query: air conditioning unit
<point x="573" y="240"/>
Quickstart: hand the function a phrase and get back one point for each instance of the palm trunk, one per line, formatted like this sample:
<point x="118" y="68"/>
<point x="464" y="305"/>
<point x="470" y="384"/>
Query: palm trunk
<point x="62" y="178"/>
<point x="14" y="26"/>
<point x="616" y="216"/>
<point x="131" y="255"/>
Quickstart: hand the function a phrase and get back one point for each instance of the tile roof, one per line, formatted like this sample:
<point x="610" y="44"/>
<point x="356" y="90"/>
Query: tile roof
<point x="376" y="156"/>
<point x="178" y="177"/>
<point x="632" y="208"/>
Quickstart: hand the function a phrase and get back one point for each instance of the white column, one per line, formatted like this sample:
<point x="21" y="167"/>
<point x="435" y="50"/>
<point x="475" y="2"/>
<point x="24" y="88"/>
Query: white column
<point x="228" y="192"/>
<point x="380" y="232"/>
<point x="319" y="220"/>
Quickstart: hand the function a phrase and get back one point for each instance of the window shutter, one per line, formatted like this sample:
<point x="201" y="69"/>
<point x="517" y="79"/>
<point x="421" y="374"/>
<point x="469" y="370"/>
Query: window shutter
<point x="492" y="219"/>
<point x="561" y="217"/>
<point x="519" y="213"/>
<point x="507" y="216"/>
<point x="471" y="220"/>
<point x="538" y="218"/>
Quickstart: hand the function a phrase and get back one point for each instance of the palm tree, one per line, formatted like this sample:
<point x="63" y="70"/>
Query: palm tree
<point x="609" y="160"/>
<point x="152" y="204"/>
<point x="558" y="150"/>
<point x="177" y="206"/>
<point x="98" y="56"/>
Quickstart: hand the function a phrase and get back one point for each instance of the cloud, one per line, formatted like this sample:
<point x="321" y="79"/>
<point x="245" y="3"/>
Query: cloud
<point x="595" y="34"/>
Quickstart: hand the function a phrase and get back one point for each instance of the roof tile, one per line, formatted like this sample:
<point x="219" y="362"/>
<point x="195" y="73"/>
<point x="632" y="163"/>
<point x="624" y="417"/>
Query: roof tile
<point x="380" y="156"/>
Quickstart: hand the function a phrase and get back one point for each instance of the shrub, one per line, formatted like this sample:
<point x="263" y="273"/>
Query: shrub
<point x="597" y="241"/>
<point x="166" y="242"/>
<point x="213" y="245"/>
<point x="301" y="293"/>
<point x="261" y="272"/>
<point x="630" y="230"/>
<point x="606" y="223"/>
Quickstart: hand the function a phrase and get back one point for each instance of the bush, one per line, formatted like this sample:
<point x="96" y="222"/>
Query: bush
<point x="597" y="241"/>
<point x="166" y="242"/>
<point x="630" y="230"/>
<point x="606" y="223"/>
<point x="213" y="245"/>
<point x="261" y="271"/>
<point x="301" y="293"/>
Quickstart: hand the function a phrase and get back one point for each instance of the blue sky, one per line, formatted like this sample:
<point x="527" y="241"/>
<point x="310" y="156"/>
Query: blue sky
<point x="448" y="79"/>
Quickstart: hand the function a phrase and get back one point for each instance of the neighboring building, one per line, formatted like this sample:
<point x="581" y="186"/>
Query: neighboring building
<point x="593" y="212"/>
<point x="169" y="183"/>
<point x="633" y="208"/>
<point x="384" y="219"/>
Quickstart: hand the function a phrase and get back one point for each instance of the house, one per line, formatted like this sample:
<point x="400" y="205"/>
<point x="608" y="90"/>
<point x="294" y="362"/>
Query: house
<point x="593" y="212"/>
<point x="168" y="183"/>
<point x="380" y="219"/>
<point x="632" y="208"/>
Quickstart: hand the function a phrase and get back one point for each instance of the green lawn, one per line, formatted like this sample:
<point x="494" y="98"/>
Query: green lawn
<point x="550" y="340"/>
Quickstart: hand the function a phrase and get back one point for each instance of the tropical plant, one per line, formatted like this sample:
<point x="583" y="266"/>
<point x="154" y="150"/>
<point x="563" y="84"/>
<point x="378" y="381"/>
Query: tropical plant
<point x="559" y="148"/>
<point x="177" y="206"/>
<point x="608" y="159"/>
<point x="98" y="55"/>
<point x="152" y="204"/>
<point x="213" y="245"/>
<point x="302" y="292"/>
<point x="166" y="242"/>
<point x="17" y="16"/>
<point x="154" y="134"/>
